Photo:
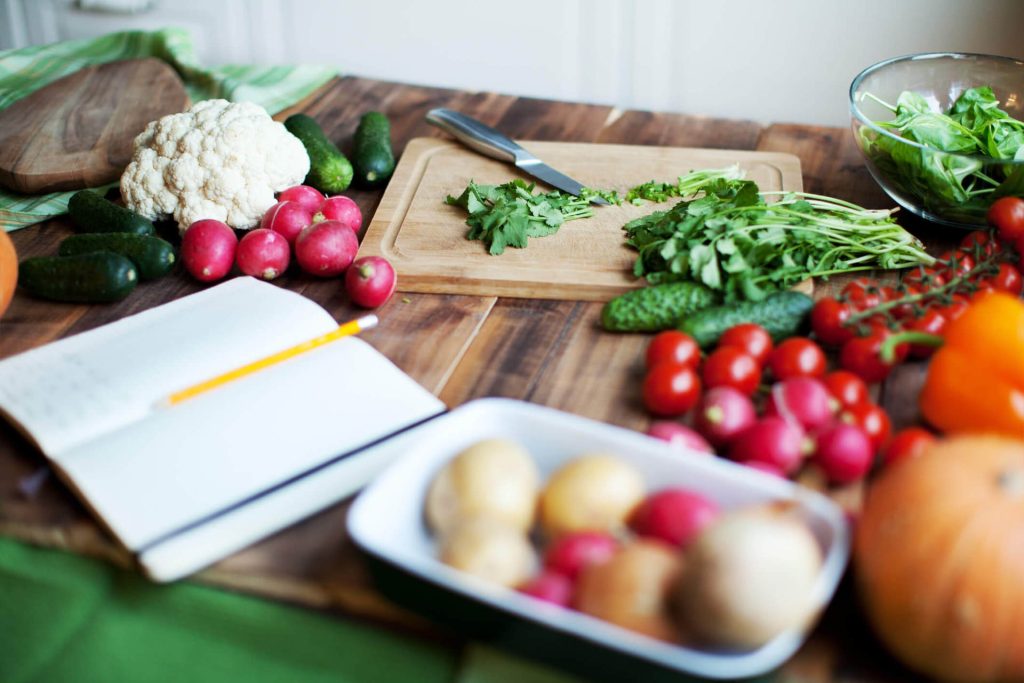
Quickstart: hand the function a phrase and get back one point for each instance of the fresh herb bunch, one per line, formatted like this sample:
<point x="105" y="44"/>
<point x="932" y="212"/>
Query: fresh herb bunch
<point x="507" y="215"/>
<point x="684" y="186"/>
<point x="732" y="241"/>
<point x="950" y="185"/>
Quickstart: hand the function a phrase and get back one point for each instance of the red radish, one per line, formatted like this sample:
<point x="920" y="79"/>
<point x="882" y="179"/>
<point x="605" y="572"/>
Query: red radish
<point x="208" y="249"/>
<point x="772" y="440"/>
<point x="675" y="516"/>
<point x="679" y="436"/>
<point x="723" y="413"/>
<point x="263" y="253"/>
<point x="326" y="248"/>
<point x="571" y="553"/>
<point x="370" y="281"/>
<point x="287" y="218"/>
<point x="802" y="399"/>
<point x="843" y="453"/>
<point x="549" y="586"/>
<point x="340" y="208"/>
<point x="305" y="196"/>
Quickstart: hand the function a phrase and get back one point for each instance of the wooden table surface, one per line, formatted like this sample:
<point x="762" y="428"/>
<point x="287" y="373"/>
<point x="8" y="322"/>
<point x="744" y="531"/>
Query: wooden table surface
<point x="461" y="348"/>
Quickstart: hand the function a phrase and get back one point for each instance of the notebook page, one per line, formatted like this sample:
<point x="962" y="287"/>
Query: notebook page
<point x="73" y="390"/>
<point x="197" y="458"/>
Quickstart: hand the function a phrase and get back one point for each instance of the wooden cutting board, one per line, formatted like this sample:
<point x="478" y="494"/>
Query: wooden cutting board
<point x="78" y="131"/>
<point x="424" y="239"/>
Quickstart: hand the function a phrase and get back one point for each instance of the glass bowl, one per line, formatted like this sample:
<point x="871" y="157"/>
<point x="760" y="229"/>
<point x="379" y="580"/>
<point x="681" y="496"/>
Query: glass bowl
<point x="951" y="174"/>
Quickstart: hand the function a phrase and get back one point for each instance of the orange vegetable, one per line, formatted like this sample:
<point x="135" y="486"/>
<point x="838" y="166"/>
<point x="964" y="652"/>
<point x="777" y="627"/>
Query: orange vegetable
<point x="8" y="270"/>
<point x="975" y="382"/>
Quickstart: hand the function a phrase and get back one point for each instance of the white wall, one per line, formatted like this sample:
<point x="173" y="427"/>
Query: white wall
<point x="781" y="60"/>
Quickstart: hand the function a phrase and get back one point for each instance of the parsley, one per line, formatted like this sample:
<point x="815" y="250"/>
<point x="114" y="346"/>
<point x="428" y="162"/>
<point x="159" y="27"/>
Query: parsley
<point x="685" y="185"/>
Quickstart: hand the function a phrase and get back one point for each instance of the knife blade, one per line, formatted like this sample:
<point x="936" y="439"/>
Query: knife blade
<point x="486" y="140"/>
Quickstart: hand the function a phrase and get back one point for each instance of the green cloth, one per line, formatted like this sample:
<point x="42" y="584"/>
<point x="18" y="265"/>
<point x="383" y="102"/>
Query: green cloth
<point x="69" y="618"/>
<point x="27" y="69"/>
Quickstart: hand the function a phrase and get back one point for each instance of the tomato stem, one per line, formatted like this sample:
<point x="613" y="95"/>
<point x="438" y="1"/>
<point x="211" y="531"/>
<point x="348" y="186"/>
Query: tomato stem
<point x="887" y="352"/>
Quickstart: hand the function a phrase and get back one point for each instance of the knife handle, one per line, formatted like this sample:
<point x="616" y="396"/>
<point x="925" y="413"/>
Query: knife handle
<point x="476" y="135"/>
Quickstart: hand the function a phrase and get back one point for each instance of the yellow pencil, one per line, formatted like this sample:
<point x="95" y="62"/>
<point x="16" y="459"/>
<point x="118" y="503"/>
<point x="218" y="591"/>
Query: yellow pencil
<point x="347" y="329"/>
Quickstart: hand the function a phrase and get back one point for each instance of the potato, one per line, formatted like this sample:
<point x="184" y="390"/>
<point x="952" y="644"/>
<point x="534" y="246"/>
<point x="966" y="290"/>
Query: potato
<point x="495" y="477"/>
<point x="594" y="492"/>
<point x="490" y="549"/>
<point x="631" y="589"/>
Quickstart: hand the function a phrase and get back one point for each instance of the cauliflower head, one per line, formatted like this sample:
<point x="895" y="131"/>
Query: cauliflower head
<point x="222" y="160"/>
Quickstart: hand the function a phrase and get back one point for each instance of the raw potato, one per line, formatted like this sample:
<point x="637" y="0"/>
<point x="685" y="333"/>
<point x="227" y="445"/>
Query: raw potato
<point x="631" y="589"/>
<point x="495" y="477"/>
<point x="489" y="549"/>
<point x="749" y="577"/>
<point x="594" y="492"/>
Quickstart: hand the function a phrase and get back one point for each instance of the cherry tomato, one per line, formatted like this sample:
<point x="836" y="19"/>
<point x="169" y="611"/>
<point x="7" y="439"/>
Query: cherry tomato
<point x="846" y="388"/>
<point x="871" y="418"/>
<point x="862" y="293"/>
<point x="862" y="356"/>
<point x="925" y="277"/>
<point x="906" y="310"/>
<point x="979" y="242"/>
<point x="828" y="320"/>
<point x="907" y="443"/>
<point x="1007" y="215"/>
<point x="955" y="308"/>
<point x="1008" y="280"/>
<point x="750" y="338"/>
<point x="956" y="263"/>
<point x="797" y="357"/>
<point x="672" y="346"/>
<point x="932" y="322"/>
<point x="888" y="293"/>
<point x="729" y="366"/>
<point x="671" y="389"/>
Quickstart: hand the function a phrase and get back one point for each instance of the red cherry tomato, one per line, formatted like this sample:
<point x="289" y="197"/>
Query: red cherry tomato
<point x="671" y="389"/>
<point x="906" y="310"/>
<point x="932" y="322"/>
<point x="871" y="418"/>
<point x="828" y="321"/>
<point x="846" y="388"/>
<point x="862" y="293"/>
<point x="729" y="366"/>
<point x="750" y="338"/>
<point x="905" y="444"/>
<point x="979" y="242"/>
<point x="862" y="356"/>
<point x="925" y="278"/>
<point x="1008" y="280"/>
<point x="672" y="346"/>
<point x="797" y="357"/>
<point x="1007" y="215"/>
<point x="956" y="263"/>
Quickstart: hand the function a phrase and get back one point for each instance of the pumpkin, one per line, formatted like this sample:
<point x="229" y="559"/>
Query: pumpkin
<point x="8" y="270"/>
<point x="939" y="559"/>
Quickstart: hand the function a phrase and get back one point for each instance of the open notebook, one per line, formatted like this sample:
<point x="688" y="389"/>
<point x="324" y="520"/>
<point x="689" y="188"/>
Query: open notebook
<point x="185" y="485"/>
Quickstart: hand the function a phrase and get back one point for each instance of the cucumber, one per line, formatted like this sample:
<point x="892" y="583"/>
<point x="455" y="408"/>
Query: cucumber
<point x="655" y="308"/>
<point x="372" y="158"/>
<point x="99" y="277"/>
<point x="92" y="213"/>
<point x="329" y="170"/>
<point x="781" y="313"/>
<point x="152" y="256"/>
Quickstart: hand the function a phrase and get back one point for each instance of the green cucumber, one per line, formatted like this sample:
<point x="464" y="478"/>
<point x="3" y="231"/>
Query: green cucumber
<point x="372" y="157"/>
<point x="655" y="308"/>
<point x="92" y="213"/>
<point x="99" y="277"/>
<point x="152" y="256"/>
<point x="329" y="170"/>
<point x="781" y="313"/>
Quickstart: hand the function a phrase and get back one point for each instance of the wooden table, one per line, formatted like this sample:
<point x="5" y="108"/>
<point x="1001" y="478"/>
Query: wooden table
<point x="461" y="348"/>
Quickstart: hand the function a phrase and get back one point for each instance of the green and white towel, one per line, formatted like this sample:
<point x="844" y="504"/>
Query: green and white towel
<point x="27" y="69"/>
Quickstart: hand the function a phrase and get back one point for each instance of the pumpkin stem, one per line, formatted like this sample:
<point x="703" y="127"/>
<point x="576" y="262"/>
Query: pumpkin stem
<point x="1012" y="482"/>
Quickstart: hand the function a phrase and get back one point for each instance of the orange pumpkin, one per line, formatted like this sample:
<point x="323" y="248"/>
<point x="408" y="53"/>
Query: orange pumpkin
<point x="8" y="270"/>
<point x="939" y="558"/>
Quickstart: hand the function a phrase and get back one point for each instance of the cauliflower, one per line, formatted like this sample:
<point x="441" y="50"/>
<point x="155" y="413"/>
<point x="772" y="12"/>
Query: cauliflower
<point x="220" y="159"/>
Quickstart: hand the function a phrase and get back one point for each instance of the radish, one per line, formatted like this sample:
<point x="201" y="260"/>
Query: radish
<point x="723" y="413"/>
<point x="370" y="281"/>
<point x="843" y="453"/>
<point x="326" y="248"/>
<point x="804" y="400"/>
<point x="288" y="218"/>
<point x="549" y="586"/>
<point x="305" y="196"/>
<point x="340" y="208"/>
<point x="675" y="516"/>
<point x="679" y="436"/>
<point x="263" y="253"/>
<point x="772" y="440"/>
<point x="208" y="249"/>
<point x="573" y="552"/>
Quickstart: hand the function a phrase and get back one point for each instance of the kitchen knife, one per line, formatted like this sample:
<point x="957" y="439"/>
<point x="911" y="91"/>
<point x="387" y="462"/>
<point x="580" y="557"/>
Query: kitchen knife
<point x="485" y="140"/>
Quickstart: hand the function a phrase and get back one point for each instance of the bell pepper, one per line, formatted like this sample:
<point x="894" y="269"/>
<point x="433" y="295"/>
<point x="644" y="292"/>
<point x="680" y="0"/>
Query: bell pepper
<point x="975" y="382"/>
